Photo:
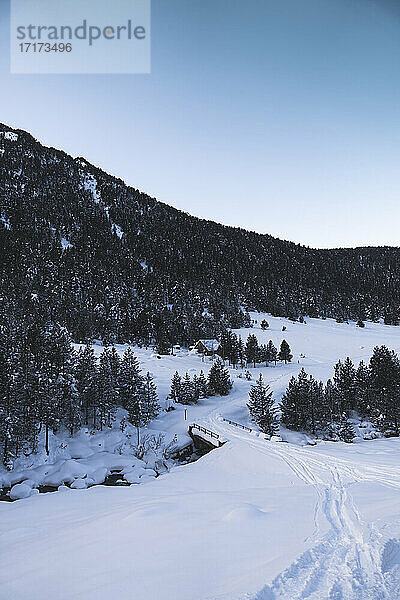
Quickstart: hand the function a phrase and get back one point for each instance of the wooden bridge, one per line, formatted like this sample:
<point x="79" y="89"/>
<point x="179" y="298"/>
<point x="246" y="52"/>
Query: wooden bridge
<point x="203" y="438"/>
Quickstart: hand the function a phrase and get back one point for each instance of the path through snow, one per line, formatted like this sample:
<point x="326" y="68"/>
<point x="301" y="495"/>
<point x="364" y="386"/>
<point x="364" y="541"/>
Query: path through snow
<point x="347" y="563"/>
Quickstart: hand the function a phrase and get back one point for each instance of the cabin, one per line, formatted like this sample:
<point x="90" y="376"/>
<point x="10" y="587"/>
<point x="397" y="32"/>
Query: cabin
<point x="207" y="347"/>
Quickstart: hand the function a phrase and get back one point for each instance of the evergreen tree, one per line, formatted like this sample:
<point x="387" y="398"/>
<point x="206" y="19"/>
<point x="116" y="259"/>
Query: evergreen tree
<point x="163" y="345"/>
<point x="345" y="430"/>
<point x="252" y="349"/>
<point x="284" y="352"/>
<point x="264" y="324"/>
<point x="86" y="376"/>
<point x="107" y="379"/>
<point x="261" y="407"/>
<point x="187" y="392"/>
<point x="364" y="394"/>
<point x="241" y="352"/>
<point x="202" y="385"/>
<point x="176" y="383"/>
<point x="130" y="383"/>
<point x="147" y="407"/>
<point x="66" y="398"/>
<point x="345" y="383"/>
<point x="263" y="354"/>
<point x="295" y="402"/>
<point x="219" y="383"/>
<point x="56" y="361"/>
<point x="331" y="402"/>
<point x="272" y="352"/>
<point x="385" y="385"/>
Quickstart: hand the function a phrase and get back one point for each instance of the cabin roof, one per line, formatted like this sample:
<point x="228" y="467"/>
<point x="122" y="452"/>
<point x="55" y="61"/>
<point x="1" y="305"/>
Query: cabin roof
<point x="210" y="345"/>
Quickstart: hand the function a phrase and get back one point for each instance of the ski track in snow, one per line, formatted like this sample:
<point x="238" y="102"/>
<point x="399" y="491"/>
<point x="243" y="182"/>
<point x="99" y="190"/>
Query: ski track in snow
<point x="343" y="552"/>
<point x="347" y="563"/>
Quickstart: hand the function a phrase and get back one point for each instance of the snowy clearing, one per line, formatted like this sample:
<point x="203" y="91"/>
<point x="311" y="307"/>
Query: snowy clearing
<point x="253" y="519"/>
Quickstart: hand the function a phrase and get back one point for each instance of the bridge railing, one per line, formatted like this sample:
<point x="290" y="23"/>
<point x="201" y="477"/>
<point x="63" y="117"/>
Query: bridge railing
<point x="204" y="430"/>
<point x="238" y="425"/>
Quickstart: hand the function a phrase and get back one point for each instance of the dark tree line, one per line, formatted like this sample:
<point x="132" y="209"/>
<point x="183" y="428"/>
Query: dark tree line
<point x="109" y="262"/>
<point x="46" y="385"/>
<point x="187" y="390"/>
<point x="371" y="391"/>
<point x="237" y="352"/>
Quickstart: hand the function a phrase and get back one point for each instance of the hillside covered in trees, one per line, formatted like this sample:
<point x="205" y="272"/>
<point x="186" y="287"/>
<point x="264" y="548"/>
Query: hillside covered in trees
<point x="80" y="248"/>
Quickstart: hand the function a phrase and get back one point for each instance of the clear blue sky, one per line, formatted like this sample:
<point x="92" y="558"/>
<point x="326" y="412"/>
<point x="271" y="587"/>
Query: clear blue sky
<point x="281" y="116"/>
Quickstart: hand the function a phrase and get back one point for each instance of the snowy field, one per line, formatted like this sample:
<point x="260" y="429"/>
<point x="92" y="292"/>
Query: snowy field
<point x="253" y="520"/>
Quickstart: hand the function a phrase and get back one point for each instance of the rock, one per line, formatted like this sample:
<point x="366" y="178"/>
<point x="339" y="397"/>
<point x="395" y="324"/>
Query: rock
<point x="160" y="467"/>
<point x="63" y="488"/>
<point x="149" y="473"/>
<point x="132" y="477"/>
<point x="79" y="484"/>
<point x="20" y="491"/>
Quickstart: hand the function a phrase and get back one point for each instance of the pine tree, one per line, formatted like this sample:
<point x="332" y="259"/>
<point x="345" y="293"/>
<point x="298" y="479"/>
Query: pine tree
<point x="241" y="352"/>
<point x="345" y="383"/>
<point x="56" y="360"/>
<point x="272" y="352"/>
<point x="107" y="381"/>
<point x="202" y="385"/>
<point x="187" y="393"/>
<point x="331" y="402"/>
<point x="252" y="349"/>
<point x="163" y="345"/>
<point x="261" y="407"/>
<point x="385" y="385"/>
<point x="130" y="383"/>
<point x="85" y="376"/>
<point x="66" y="398"/>
<point x="345" y="430"/>
<point x="219" y="383"/>
<point x="264" y="324"/>
<point x="263" y="354"/>
<point x="284" y="352"/>
<point x="176" y="383"/>
<point x="364" y="394"/>
<point x="295" y="402"/>
<point x="147" y="407"/>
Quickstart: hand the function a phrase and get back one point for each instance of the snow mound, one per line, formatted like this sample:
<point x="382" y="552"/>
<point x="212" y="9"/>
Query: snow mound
<point x="20" y="491"/>
<point x="243" y="513"/>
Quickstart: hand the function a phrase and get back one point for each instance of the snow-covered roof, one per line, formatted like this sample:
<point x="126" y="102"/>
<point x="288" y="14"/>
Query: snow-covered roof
<point x="211" y="345"/>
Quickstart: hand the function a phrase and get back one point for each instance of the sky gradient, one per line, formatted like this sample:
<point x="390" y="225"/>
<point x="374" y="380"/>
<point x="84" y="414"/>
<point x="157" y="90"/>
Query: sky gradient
<point x="280" y="117"/>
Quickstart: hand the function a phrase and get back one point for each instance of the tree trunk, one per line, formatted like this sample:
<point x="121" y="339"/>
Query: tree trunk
<point x="5" y="455"/>
<point x="47" y="440"/>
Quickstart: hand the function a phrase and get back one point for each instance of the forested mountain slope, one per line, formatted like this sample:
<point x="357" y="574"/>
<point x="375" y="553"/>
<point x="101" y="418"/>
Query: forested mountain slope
<point x="81" y="248"/>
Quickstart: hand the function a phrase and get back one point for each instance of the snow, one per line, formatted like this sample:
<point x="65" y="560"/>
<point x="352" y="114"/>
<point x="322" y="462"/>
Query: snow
<point x="9" y="135"/>
<point x="6" y="222"/>
<point x="90" y="184"/>
<point x="65" y="244"/>
<point x="210" y="345"/>
<point x="254" y="519"/>
<point x="21" y="490"/>
<point x="117" y="230"/>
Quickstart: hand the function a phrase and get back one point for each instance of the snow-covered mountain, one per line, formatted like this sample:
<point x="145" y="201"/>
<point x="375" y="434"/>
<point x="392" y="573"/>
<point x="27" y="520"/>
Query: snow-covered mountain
<point x="81" y="248"/>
